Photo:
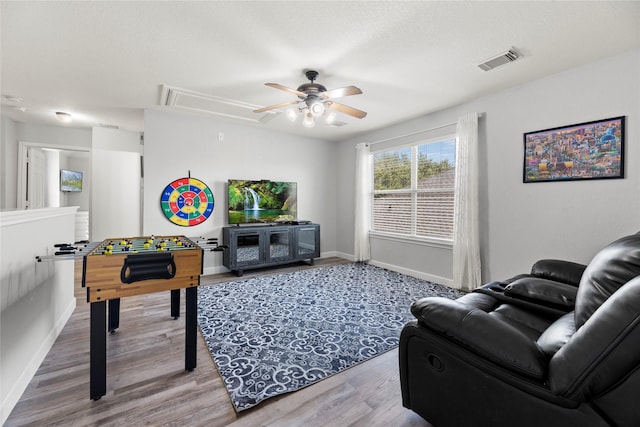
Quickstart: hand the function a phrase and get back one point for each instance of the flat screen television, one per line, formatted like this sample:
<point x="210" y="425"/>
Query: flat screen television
<point x="70" y="180"/>
<point x="261" y="201"/>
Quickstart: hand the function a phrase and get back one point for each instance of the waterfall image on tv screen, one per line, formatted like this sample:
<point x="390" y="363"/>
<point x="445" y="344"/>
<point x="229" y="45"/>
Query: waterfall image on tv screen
<point x="261" y="201"/>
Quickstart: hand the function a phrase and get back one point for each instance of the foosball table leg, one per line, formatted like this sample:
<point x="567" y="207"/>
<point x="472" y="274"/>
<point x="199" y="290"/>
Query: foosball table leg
<point x="191" y="322"/>
<point x="175" y="303"/>
<point x="114" y="314"/>
<point x="98" y="350"/>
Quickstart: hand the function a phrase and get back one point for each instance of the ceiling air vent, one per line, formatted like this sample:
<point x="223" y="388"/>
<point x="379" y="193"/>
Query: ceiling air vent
<point x="504" y="58"/>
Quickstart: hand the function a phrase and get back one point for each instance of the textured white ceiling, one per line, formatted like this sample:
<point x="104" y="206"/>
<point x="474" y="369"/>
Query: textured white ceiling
<point x="107" y="61"/>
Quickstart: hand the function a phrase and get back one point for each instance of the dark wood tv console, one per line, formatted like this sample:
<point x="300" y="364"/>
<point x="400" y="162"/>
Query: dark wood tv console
<point x="257" y="246"/>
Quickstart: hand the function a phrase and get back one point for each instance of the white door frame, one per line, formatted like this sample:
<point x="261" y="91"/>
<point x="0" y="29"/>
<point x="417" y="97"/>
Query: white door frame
<point x="23" y="148"/>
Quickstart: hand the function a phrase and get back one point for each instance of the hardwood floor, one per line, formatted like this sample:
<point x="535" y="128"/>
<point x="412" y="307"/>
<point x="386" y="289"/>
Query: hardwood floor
<point x="147" y="383"/>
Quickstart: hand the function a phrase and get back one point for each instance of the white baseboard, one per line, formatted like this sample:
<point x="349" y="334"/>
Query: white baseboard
<point x="413" y="273"/>
<point x="350" y="257"/>
<point x="217" y="269"/>
<point x="31" y="367"/>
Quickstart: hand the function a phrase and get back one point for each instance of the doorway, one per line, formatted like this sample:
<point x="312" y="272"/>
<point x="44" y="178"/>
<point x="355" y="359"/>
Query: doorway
<point x="39" y="168"/>
<point x="40" y="184"/>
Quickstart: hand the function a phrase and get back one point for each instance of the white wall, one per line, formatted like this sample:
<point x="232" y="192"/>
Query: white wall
<point x="36" y="298"/>
<point x="52" y="179"/>
<point x="54" y="135"/>
<point x="9" y="164"/>
<point x="176" y="144"/>
<point x="521" y="223"/>
<point x="116" y="184"/>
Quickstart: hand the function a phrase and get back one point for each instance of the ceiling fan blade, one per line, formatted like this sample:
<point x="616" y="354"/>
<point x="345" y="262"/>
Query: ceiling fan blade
<point x="347" y="110"/>
<point x="273" y="107"/>
<point x="287" y="89"/>
<point x="343" y="91"/>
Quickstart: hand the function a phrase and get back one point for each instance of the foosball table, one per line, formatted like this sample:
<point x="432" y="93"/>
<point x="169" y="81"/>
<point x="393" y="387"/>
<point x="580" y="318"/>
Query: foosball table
<point x="124" y="267"/>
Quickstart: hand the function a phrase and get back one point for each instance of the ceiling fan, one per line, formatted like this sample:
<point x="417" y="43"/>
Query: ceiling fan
<point x="318" y="102"/>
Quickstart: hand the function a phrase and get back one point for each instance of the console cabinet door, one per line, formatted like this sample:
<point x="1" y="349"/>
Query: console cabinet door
<point x="278" y="244"/>
<point x="307" y="242"/>
<point x="246" y="248"/>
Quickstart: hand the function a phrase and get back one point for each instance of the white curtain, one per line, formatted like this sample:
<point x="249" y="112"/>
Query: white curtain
<point x="466" y="234"/>
<point x="361" y="249"/>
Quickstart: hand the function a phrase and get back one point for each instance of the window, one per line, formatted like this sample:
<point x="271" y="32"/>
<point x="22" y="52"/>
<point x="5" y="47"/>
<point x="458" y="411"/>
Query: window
<point x="413" y="190"/>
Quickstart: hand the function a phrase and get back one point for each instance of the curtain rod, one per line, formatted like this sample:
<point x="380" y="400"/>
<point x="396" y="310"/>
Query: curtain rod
<point x="420" y="131"/>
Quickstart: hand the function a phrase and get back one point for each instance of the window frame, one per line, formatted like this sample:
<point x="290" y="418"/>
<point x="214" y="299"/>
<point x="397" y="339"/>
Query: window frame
<point x="414" y="191"/>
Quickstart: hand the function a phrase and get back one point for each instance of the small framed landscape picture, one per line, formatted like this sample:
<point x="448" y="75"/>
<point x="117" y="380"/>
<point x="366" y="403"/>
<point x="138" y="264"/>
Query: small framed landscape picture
<point x="590" y="150"/>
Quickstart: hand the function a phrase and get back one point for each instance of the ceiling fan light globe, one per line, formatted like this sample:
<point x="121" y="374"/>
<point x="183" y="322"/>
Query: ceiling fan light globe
<point x="292" y="114"/>
<point x="330" y="117"/>
<point x="317" y="109"/>
<point x="308" y="121"/>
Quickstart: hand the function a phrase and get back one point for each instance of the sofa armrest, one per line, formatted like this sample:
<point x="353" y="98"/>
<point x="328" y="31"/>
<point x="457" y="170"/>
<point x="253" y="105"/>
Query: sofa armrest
<point x="481" y="333"/>
<point x="561" y="296"/>
<point x="559" y="271"/>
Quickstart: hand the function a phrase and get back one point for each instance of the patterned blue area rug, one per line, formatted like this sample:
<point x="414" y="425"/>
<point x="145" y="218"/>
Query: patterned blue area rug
<point x="277" y="334"/>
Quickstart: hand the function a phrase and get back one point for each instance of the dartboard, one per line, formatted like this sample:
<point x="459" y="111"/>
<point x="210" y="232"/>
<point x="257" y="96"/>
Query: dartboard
<point x="187" y="202"/>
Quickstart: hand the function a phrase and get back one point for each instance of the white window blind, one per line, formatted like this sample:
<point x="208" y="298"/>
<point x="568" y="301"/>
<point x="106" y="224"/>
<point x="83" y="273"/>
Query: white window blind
<point x="414" y="187"/>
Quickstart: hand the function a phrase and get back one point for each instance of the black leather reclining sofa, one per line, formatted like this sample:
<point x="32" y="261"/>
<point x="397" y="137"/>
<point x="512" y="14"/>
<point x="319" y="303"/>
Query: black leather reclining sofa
<point x="557" y="347"/>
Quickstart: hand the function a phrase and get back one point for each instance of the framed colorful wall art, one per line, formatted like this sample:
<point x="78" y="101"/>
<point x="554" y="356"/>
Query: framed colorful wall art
<point x="590" y="150"/>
